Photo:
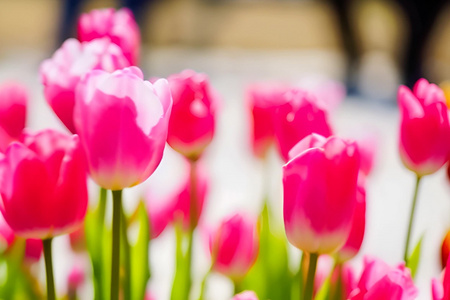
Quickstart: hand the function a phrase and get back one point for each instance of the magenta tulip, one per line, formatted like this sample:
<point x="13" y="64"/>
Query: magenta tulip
<point x="234" y="246"/>
<point x="246" y="295"/>
<point x="13" y="112"/>
<point x="424" y="129"/>
<point x="119" y="26"/>
<point x="299" y="116"/>
<point x="263" y="101"/>
<point x="160" y="212"/>
<point x="122" y="122"/>
<point x="61" y="74"/>
<point x="440" y="289"/>
<point x="192" y="124"/>
<point x="356" y="236"/>
<point x="380" y="281"/>
<point x="43" y="185"/>
<point x="320" y="183"/>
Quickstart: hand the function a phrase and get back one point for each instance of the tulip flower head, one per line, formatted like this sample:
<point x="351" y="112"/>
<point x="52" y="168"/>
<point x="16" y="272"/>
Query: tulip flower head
<point x="13" y="112"/>
<point x="122" y="123"/>
<point x="424" y="129"/>
<point x="61" y="74"/>
<point x="380" y="281"/>
<point x="440" y="289"/>
<point x="43" y="185"/>
<point x="299" y="116"/>
<point x="192" y="124"/>
<point x="119" y="26"/>
<point x="234" y="246"/>
<point x="319" y="188"/>
<point x="263" y="101"/>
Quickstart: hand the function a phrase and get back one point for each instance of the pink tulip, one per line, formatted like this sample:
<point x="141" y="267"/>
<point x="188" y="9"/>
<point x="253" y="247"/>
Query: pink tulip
<point x="43" y="185"/>
<point x="13" y="111"/>
<point x="367" y="146"/>
<point x="192" y="124"/>
<point x="76" y="277"/>
<point x="119" y="26"/>
<point x="298" y="117"/>
<point x="33" y="250"/>
<point x="246" y="295"/>
<point x="61" y="73"/>
<point x="424" y="129"/>
<point x="320" y="183"/>
<point x="160" y="212"/>
<point x="356" y="236"/>
<point x="122" y="122"/>
<point x="380" y="281"/>
<point x="234" y="246"/>
<point x="263" y="101"/>
<point x="440" y="289"/>
<point x="347" y="281"/>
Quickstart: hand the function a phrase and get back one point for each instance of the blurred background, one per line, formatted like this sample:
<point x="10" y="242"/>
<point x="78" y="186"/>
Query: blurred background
<point x="372" y="46"/>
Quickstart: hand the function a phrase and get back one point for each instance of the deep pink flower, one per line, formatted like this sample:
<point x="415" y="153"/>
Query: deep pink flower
<point x="440" y="289"/>
<point x="43" y="185"/>
<point x="61" y="73"/>
<point x="13" y="112"/>
<point x="246" y="295"/>
<point x="299" y="116"/>
<point x="356" y="236"/>
<point x="424" y="129"/>
<point x="380" y="281"/>
<point x="122" y="122"/>
<point x="319" y="185"/>
<point x="192" y="124"/>
<point x="119" y="26"/>
<point x="234" y="246"/>
<point x="263" y="100"/>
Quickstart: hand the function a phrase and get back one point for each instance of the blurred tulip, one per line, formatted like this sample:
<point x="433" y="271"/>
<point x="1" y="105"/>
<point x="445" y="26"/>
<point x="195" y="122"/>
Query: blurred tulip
<point x="246" y="295"/>
<point x="263" y="100"/>
<point x="77" y="240"/>
<point x="300" y="116"/>
<point x="440" y="289"/>
<point x="367" y="146"/>
<point x="356" y="236"/>
<point x="192" y="123"/>
<point x="160" y="212"/>
<point x="61" y="73"/>
<point x="320" y="184"/>
<point x="380" y="281"/>
<point x="234" y="246"/>
<point x="119" y="26"/>
<point x="43" y="185"/>
<point x="122" y="122"/>
<point x="76" y="277"/>
<point x="181" y="197"/>
<point x="424" y="129"/>
<point x="13" y="112"/>
<point x="33" y="250"/>
<point x="445" y="249"/>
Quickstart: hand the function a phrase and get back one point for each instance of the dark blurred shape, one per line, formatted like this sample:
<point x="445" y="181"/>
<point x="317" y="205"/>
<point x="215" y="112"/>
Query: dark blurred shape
<point x="421" y="15"/>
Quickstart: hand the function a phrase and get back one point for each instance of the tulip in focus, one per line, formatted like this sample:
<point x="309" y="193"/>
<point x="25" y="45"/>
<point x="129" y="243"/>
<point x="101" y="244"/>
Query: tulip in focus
<point x="119" y="26"/>
<point x="320" y="184"/>
<point x="61" y="74"/>
<point x="424" y="129"/>
<point x="380" y="281"/>
<point x="246" y="295"/>
<point x="43" y="185"/>
<point x="263" y="101"/>
<point x="13" y="111"/>
<point x="234" y="246"/>
<point x="300" y="116"/>
<point x="192" y="124"/>
<point x="122" y="123"/>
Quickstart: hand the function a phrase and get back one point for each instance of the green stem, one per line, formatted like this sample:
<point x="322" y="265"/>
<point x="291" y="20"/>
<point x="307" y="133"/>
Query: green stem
<point x="203" y="286"/>
<point x="47" y="243"/>
<point x="237" y="286"/>
<point x="411" y="218"/>
<point x="115" y="262"/>
<point x="126" y="254"/>
<point x="193" y="215"/>
<point x="309" y="287"/>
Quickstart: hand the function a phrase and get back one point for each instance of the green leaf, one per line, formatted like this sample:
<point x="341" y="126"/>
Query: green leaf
<point x="140" y="271"/>
<point x="179" y="288"/>
<point x="413" y="261"/>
